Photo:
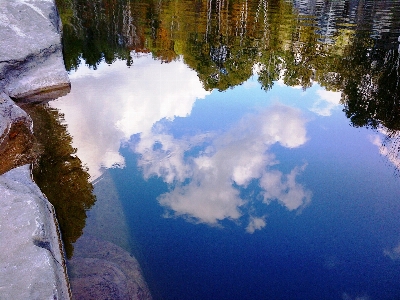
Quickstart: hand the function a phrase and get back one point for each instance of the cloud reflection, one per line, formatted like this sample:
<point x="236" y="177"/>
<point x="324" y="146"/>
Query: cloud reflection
<point x="285" y="189"/>
<point x="256" y="224"/>
<point x="124" y="101"/>
<point x="206" y="172"/>
<point x="205" y="185"/>
<point x="393" y="253"/>
<point x="389" y="145"/>
<point x="326" y="102"/>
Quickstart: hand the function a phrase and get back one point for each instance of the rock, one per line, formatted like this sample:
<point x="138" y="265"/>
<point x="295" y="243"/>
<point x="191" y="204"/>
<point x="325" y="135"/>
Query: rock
<point x="102" y="270"/>
<point x="98" y="279"/>
<point x="17" y="144"/>
<point x="31" y="63"/>
<point x="31" y="256"/>
<point x="31" y="70"/>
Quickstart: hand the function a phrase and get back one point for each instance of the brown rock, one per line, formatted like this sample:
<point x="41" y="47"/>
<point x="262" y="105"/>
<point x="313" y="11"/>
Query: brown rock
<point x="17" y="144"/>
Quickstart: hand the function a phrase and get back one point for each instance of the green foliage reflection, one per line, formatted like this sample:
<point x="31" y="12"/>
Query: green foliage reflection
<point x="60" y="174"/>
<point x="350" y="48"/>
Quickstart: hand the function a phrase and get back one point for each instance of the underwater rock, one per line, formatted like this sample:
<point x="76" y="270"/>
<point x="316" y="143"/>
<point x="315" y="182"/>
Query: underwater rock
<point x="102" y="270"/>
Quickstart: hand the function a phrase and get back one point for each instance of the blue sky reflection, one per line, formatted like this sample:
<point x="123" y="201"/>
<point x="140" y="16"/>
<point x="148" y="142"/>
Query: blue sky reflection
<point x="205" y="186"/>
<point x="207" y="146"/>
<point x="283" y="165"/>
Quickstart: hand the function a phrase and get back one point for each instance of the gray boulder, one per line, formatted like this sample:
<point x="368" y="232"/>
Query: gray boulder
<point x="31" y="63"/>
<point x="31" y="70"/>
<point x="32" y="264"/>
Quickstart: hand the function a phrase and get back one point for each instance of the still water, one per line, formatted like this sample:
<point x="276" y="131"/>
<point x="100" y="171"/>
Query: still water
<point x="239" y="149"/>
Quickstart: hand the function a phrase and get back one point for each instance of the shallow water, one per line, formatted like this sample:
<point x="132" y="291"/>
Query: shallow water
<point x="248" y="150"/>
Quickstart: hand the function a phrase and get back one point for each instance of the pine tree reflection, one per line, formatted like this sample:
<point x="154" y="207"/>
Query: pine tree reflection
<point x="60" y="174"/>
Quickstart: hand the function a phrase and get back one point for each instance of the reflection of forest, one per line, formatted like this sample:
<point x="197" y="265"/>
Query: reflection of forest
<point x="60" y="174"/>
<point x="349" y="45"/>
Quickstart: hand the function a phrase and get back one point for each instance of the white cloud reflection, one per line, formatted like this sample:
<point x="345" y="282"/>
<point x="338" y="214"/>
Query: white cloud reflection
<point x="346" y="296"/>
<point x="204" y="184"/>
<point x="393" y="253"/>
<point x="285" y="189"/>
<point x="326" y="102"/>
<point x="388" y="144"/>
<point x="204" y="171"/>
<point x="256" y="224"/>
<point x="121" y="102"/>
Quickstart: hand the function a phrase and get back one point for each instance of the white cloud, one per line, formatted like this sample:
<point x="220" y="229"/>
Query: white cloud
<point x="167" y="161"/>
<point x="203" y="187"/>
<point x="110" y="104"/>
<point x="207" y="199"/>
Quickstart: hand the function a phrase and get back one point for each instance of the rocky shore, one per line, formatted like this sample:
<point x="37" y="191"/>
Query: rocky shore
<point x="32" y="256"/>
<point x="32" y="264"/>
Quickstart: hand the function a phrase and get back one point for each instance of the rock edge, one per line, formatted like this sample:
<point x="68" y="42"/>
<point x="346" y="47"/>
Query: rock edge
<point x="32" y="264"/>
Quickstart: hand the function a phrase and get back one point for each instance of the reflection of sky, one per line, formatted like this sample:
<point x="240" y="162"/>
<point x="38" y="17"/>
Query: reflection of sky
<point x="206" y="150"/>
<point x="284" y="165"/>
<point x="388" y="144"/>
<point x="236" y="156"/>
<point x="118" y="102"/>
<point x="108" y="105"/>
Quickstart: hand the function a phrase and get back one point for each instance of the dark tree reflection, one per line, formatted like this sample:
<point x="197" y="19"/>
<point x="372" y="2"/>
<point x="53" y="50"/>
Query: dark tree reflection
<point x="371" y="93"/>
<point x="347" y="46"/>
<point x="60" y="174"/>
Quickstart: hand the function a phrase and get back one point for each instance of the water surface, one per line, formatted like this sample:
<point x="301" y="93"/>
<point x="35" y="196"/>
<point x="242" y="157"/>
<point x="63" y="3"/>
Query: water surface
<point x="250" y="145"/>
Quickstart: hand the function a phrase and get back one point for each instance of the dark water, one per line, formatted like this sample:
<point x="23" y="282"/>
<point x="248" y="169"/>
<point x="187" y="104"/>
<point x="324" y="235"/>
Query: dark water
<point x="252" y="145"/>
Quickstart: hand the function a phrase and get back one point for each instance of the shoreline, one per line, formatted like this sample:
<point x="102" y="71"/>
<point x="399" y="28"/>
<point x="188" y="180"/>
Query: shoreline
<point x="32" y="260"/>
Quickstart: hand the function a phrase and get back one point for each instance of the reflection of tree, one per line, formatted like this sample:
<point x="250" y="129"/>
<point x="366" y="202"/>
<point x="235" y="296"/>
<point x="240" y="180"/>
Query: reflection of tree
<point x="391" y="149"/>
<point x="344" y="46"/>
<point x="371" y="86"/>
<point x="96" y="31"/>
<point x="371" y="95"/>
<point x="60" y="174"/>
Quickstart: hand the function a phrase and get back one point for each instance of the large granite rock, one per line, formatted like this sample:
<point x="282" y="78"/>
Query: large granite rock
<point x="32" y="264"/>
<point x="31" y="63"/>
<point x="31" y="70"/>
<point x="31" y="253"/>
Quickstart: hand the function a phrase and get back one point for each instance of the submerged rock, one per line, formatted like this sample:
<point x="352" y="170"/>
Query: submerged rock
<point x="102" y="270"/>
<point x="102" y="267"/>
